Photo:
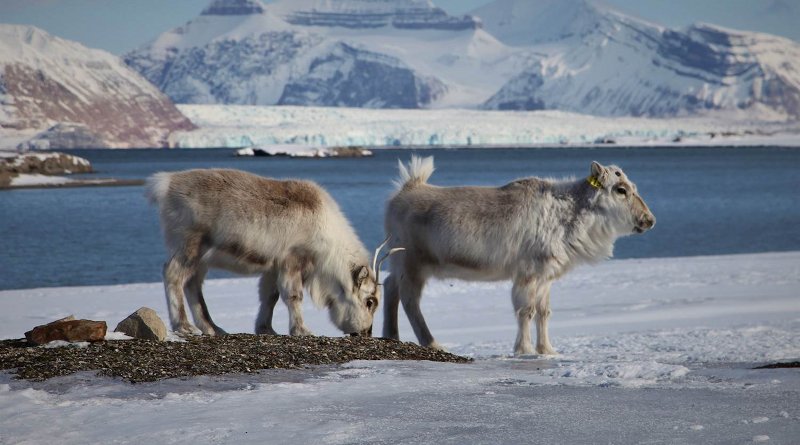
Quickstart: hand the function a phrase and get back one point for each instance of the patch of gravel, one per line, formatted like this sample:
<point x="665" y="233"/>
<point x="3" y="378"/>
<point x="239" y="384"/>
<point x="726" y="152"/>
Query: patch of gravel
<point x="147" y="361"/>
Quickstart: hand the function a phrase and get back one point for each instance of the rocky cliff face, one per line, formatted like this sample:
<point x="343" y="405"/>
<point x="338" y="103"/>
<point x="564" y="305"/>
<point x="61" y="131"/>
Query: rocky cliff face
<point x="349" y="77"/>
<point x="45" y="80"/>
<point x="361" y="14"/>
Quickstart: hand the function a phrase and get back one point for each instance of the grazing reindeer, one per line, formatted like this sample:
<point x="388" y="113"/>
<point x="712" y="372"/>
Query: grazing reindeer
<point x="291" y="232"/>
<point x="531" y="231"/>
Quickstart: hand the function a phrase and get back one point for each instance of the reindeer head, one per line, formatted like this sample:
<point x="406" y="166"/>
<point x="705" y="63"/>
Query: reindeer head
<point x="627" y="210"/>
<point x="355" y="314"/>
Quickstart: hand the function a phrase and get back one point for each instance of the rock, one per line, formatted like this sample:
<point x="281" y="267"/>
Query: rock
<point x="67" y="330"/>
<point x="5" y="178"/>
<point x="144" y="324"/>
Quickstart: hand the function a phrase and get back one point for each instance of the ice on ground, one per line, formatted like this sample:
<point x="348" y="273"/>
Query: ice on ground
<point x="29" y="179"/>
<point x="657" y="350"/>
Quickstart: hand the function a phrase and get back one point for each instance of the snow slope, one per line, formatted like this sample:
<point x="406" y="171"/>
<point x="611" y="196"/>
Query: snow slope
<point x="603" y="62"/>
<point x="244" y="126"/>
<point x="46" y="80"/>
<point x="656" y="350"/>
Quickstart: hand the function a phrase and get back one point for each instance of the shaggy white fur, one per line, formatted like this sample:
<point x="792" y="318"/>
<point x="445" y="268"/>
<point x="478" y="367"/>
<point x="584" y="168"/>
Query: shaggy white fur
<point x="530" y="231"/>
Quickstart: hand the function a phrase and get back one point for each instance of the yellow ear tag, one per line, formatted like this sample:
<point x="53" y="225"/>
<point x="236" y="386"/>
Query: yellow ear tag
<point x="594" y="182"/>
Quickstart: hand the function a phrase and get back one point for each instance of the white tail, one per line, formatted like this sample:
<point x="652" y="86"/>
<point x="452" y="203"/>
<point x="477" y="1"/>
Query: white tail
<point x="157" y="187"/>
<point x="418" y="171"/>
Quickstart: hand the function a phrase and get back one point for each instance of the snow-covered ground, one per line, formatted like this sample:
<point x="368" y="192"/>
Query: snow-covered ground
<point x="655" y="350"/>
<point x="238" y="126"/>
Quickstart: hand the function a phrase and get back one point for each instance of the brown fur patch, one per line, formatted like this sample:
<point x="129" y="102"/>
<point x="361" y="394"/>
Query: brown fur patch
<point x="299" y="262"/>
<point x="465" y="263"/>
<point x="246" y="191"/>
<point x="300" y="193"/>
<point x="240" y="252"/>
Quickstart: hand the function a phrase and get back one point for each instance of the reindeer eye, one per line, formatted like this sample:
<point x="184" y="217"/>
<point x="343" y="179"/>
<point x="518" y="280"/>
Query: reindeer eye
<point x="371" y="302"/>
<point x="622" y="191"/>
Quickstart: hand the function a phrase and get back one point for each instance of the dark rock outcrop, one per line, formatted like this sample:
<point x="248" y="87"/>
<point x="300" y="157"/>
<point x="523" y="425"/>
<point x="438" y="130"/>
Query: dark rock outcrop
<point x="348" y="77"/>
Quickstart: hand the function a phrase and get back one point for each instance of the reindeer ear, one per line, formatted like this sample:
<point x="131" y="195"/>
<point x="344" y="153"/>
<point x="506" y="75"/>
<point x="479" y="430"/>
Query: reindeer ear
<point x="599" y="172"/>
<point x="360" y="274"/>
<point x="597" y="169"/>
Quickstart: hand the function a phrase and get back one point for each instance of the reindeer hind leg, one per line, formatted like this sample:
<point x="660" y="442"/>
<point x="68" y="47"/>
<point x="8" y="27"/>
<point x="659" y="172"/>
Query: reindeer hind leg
<point x="178" y="270"/>
<point x="391" y="302"/>
<point x="197" y="303"/>
<point x="176" y="274"/>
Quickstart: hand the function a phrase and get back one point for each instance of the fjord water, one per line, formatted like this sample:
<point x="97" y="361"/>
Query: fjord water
<point x="708" y="201"/>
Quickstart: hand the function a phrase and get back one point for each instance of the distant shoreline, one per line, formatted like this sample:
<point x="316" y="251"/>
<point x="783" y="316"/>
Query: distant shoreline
<point x="74" y="183"/>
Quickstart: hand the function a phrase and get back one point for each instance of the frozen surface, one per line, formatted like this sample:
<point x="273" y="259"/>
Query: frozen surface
<point x="657" y="350"/>
<point x="236" y="126"/>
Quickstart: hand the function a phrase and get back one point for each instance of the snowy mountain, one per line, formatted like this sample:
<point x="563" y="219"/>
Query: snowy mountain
<point x="572" y="55"/>
<point x="598" y="61"/>
<point x="83" y="95"/>
<point x="356" y="53"/>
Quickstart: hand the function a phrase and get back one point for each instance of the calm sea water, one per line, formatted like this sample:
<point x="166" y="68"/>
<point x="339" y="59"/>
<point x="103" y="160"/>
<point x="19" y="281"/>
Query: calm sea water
<point x="708" y="201"/>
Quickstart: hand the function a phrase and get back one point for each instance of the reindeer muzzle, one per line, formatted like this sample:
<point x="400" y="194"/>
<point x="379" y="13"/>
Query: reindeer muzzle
<point x="365" y="333"/>
<point x="645" y="223"/>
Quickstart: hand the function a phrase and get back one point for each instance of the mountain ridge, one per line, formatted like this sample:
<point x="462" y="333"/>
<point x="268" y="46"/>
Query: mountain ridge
<point x="572" y="55"/>
<point x="46" y="81"/>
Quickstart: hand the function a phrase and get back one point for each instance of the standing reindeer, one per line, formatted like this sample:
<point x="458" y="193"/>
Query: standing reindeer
<point x="531" y="231"/>
<point x="291" y="232"/>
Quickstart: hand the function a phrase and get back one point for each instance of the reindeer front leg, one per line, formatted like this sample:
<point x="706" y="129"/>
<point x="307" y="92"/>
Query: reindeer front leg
<point x="542" y="305"/>
<point x="269" y="294"/>
<point x="291" y="292"/>
<point x="522" y="296"/>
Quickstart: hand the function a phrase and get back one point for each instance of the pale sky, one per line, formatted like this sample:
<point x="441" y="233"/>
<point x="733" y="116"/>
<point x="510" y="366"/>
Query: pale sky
<point x="122" y="25"/>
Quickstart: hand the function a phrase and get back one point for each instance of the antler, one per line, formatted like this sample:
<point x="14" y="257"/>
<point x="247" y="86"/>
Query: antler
<point x="376" y="263"/>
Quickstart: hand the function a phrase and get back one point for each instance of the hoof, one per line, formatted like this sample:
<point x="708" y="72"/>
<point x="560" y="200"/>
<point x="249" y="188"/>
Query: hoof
<point x="300" y="332"/>
<point x="546" y="350"/>
<point x="266" y="331"/>
<point x="436" y="346"/>
<point x="187" y="331"/>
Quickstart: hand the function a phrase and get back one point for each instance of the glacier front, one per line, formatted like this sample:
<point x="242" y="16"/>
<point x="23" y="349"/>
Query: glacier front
<point x="237" y="126"/>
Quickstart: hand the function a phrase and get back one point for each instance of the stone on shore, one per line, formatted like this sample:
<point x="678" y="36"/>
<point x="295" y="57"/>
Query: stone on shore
<point x="68" y="330"/>
<point x="144" y="324"/>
